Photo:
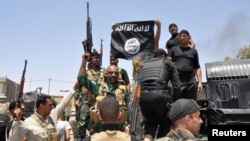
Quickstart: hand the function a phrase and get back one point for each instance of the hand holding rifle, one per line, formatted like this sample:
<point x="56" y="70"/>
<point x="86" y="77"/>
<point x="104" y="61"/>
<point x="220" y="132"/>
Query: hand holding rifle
<point x="87" y="43"/>
<point x="86" y="56"/>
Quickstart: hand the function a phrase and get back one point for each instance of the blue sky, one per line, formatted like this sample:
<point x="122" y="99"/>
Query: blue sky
<point x="48" y="33"/>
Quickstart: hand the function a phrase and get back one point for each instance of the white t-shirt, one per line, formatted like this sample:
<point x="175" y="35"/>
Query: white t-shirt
<point x="61" y="126"/>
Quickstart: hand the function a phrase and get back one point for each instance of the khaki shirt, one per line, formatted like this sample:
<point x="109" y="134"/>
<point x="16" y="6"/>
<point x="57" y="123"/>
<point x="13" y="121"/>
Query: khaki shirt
<point x="14" y="131"/>
<point x="31" y="129"/>
<point x="111" y="135"/>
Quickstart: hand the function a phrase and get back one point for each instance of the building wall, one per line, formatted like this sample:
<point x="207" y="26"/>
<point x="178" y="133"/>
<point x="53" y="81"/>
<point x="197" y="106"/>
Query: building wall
<point x="9" y="88"/>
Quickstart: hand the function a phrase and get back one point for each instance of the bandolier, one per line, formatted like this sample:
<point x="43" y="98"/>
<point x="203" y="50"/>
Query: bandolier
<point x="50" y="133"/>
<point x="86" y="100"/>
<point x="120" y="80"/>
<point x="120" y="93"/>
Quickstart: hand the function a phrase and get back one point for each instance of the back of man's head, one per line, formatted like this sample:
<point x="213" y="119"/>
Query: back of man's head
<point x="113" y="60"/>
<point x="181" y="108"/>
<point x="109" y="108"/>
<point x="160" y="53"/>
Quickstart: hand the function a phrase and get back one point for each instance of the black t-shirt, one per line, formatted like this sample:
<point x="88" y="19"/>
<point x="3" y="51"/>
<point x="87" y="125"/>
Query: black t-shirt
<point x="186" y="60"/>
<point x="4" y="119"/>
<point x="173" y="41"/>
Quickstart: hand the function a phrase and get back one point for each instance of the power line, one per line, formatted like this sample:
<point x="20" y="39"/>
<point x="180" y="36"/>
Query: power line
<point x="61" y="81"/>
<point x="50" y="79"/>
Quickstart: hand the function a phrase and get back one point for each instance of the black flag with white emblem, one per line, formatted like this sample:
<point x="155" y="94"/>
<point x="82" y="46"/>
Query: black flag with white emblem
<point x="133" y="40"/>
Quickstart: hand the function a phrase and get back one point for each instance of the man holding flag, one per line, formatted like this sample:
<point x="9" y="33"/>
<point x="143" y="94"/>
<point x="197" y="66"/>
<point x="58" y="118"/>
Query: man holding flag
<point x="136" y="41"/>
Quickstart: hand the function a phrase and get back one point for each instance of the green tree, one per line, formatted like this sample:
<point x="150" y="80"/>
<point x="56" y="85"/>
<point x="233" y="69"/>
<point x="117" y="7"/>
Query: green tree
<point x="227" y="58"/>
<point x="244" y="53"/>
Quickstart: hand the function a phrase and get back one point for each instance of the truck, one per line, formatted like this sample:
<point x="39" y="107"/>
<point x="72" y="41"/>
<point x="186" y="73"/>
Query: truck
<point x="29" y="101"/>
<point x="225" y="99"/>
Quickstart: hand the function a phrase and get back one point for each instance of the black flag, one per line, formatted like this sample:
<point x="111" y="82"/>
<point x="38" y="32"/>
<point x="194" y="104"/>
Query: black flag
<point x="133" y="40"/>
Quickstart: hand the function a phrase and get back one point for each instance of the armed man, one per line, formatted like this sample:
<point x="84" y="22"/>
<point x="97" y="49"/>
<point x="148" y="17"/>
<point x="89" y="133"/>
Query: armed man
<point x="123" y="75"/>
<point x="97" y="89"/>
<point x="154" y="76"/>
<point x="84" y="99"/>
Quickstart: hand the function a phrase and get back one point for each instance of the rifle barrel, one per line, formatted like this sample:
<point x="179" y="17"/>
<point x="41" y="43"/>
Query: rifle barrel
<point x="22" y="80"/>
<point x="88" y="9"/>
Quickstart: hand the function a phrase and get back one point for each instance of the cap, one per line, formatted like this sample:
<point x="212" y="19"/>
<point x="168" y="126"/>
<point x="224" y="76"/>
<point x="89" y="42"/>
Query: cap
<point x="184" y="32"/>
<point x="171" y="25"/>
<point x="181" y="108"/>
<point x="12" y="105"/>
<point x="112" y="57"/>
<point x="95" y="53"/>
<point x="160" y="52"/>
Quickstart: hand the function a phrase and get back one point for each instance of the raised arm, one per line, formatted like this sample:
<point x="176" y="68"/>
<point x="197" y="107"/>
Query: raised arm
<point x="191" y="43"/>
<point x="157" y="35"/>
<point x="85" y="58"/>
<point x="58" y="110"/>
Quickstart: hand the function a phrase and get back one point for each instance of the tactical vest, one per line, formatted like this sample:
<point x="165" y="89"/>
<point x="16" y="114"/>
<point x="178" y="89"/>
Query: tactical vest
<point x="93" y="76"/>
<point x="111" y="136"/>
<point x="120" y="93"/>
<point x="154" y="73"/>
<point x="50" y="133"/>
<point x="120" y="80"/>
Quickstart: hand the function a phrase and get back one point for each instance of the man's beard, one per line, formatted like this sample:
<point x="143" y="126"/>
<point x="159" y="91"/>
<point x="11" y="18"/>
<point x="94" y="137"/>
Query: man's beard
<point x="113" y="80"/>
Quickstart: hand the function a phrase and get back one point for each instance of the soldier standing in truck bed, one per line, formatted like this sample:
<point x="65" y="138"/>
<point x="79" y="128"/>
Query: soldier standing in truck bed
<point x="99" y="89"/>
<point x="123" y="75"/>
<point x="174" y="40"/>
<point x="186" y="60"/>
<point x="155" y="75"/>
<point x="84" y="99"/>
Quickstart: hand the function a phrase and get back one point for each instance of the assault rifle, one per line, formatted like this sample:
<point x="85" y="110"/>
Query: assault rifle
<point x="135" y="110"/>
<point x="87" y="43"/>
<point x="101" y="52"/>
<point x="22" y="83"/>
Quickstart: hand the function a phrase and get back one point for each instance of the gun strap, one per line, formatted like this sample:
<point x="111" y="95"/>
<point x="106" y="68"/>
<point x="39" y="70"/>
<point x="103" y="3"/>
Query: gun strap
<point x="43" y="125"/>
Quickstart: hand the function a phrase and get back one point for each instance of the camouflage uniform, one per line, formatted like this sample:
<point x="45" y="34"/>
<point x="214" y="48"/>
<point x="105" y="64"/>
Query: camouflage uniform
<point x="181" y="134"/>
<point x="111" y="132"/>
<point x="86" y="99"/>
<point x="114" y="135"/>
<point x="96" y="89"/>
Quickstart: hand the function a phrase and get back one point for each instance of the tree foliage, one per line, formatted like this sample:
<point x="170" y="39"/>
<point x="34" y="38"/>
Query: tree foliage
<point x="244" y="53"/>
